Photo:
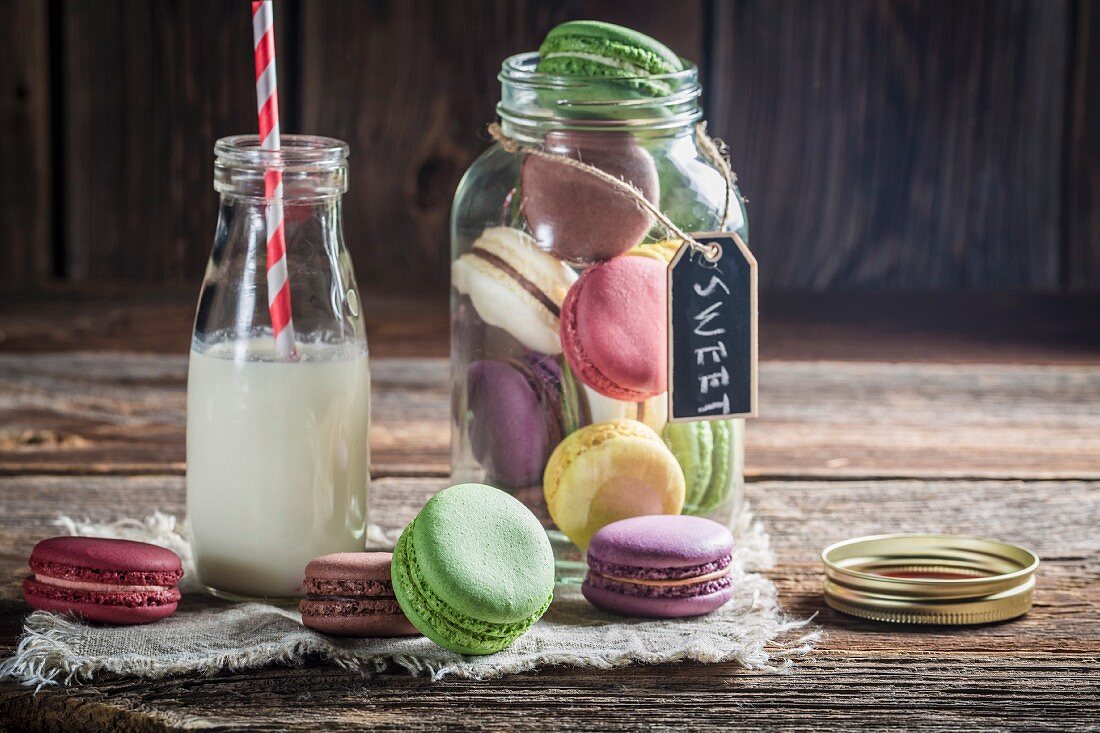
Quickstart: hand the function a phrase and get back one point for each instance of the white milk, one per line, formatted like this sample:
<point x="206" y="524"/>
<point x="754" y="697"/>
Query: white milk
<point x="277" y="464"/>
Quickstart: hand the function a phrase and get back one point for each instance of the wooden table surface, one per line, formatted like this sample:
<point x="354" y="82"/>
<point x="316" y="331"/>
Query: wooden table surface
<point x="919" y="414"/>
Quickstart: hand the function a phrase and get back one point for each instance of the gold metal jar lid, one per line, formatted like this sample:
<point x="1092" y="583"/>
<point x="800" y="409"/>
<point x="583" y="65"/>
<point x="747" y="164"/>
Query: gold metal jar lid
<point x="929" y="579"/>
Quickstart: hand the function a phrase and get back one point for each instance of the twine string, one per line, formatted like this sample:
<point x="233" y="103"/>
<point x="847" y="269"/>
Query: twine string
<point x="710" y="252"/>
<point x="717" y="152"/>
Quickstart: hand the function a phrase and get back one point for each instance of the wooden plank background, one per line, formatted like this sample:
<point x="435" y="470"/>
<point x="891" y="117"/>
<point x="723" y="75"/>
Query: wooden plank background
<point x="924" y="144"/>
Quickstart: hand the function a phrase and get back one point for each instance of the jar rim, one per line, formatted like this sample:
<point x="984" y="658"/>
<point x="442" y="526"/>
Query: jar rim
<point x="524" y="107"/>
<point x="314" y="151"/>
<point x="521" y="68"/>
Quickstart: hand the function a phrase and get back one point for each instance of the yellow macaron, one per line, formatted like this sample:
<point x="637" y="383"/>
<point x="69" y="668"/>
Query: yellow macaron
<point x="610" y="471"/>
<point x="664" y="250"/>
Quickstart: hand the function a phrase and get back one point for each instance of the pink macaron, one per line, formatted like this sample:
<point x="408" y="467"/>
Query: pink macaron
<point x="614" y="328"/>
<point x="103" y="580"/>
<point x="350" y="594"/>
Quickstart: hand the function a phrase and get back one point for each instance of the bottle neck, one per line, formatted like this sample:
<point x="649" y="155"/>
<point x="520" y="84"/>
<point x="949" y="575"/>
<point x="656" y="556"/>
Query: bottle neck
<point x="533" y="104"/>
<point x="311" y="169"/>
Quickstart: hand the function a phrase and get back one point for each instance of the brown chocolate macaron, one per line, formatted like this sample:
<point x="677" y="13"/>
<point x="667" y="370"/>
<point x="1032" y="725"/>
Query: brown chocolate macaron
<point x="350" y="594"/>
<point x="576" y="215"/>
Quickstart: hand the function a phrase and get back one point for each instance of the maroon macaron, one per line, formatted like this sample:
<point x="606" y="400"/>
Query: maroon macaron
<point x="576" y="215"/>
<point x="350" y="594"/>
<point x="102" y="580"/>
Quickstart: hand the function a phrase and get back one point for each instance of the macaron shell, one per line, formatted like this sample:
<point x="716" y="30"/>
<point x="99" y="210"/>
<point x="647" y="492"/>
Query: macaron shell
<point x="718" y="489"/>
<point x="432" y="625"/>
<point x="609" y="471"/>
<point x="362" y="627"/>
<point x="614" y="328"/>
<point x="521" y="252"/>
<point x="508" y="429"/>
<point x="95" y="609"/>
<point x="663" y="251"/>
<point x="662" y="542"/>
<point x="693" y="445"/>
<point x="356" y="617"/>
<point x="500" y="300"/>
<point x="592" y="50"/>
<point x="352" y="566"/>
<point x="577" y="216"/>
<point x="97" y="559"/>
<point x="616" y="40"/>
<point x="484" y="553"/>
<point x="646" y="607"/>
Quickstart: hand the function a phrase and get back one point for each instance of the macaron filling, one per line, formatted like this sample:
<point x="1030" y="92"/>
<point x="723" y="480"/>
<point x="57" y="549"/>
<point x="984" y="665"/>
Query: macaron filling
<point x="349" y="606"/>
<point x="499" y="263"/>
<point x="98" y="587"/>
<point x="637" y="572"/>
<point x="162" y="596"/>
<point x="330" y="588"/>
<point x="471" y="632"/>
<point x="649" y="589"/>
<point x="342" y="597"/>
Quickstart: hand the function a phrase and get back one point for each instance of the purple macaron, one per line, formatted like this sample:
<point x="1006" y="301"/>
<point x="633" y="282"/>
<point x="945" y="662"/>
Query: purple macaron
<point x="660" y="566"/>
<point x="515" y="411"/>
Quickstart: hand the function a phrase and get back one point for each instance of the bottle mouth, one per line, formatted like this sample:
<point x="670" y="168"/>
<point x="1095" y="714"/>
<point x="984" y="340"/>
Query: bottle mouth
<point x="313" y="167"/>
<point x="297" y="151"/>
<point x="533" y="102"/>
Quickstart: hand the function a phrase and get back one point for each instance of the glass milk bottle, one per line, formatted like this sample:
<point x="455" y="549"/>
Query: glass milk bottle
<point x="533" y="411"/>
<point x="277" y="453"/>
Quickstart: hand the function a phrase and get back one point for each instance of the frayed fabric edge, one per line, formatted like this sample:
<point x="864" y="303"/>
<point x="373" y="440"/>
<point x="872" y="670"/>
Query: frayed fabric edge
<point x="42" y="659"/>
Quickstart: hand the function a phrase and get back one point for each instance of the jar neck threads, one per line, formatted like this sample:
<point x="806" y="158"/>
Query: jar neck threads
<point x="534" y="103"/>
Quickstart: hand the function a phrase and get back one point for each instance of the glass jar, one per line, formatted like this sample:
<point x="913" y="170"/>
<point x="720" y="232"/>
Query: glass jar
<point x="558" y="340"/>
<point x="277" y="453"/>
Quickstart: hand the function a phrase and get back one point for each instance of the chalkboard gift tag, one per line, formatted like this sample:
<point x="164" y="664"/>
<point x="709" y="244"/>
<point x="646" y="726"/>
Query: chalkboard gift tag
<point x="712" y="347"/>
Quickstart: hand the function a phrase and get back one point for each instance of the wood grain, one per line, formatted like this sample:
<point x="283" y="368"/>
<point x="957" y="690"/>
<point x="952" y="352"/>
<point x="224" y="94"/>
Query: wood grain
<point x="26" y="184"/>
<point x="896" y="144"/>
<point x="148" y="88"/>
<point x="924" y="144"/>
<point x="1083" y="153"/>
<point x="416" y="117"/>
<point x="1038" y="672"/>
<point x="91" y="413"/>
<point x="836" y="326"/>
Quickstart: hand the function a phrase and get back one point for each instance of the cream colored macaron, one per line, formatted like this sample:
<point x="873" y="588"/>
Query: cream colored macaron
<point x="515" y="286"/>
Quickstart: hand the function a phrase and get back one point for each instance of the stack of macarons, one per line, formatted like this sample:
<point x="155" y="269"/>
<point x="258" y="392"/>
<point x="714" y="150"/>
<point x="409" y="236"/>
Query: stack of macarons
<point x="472" y="572"/>
<point x="571" y="391"/>
<point x="351" y="594"/>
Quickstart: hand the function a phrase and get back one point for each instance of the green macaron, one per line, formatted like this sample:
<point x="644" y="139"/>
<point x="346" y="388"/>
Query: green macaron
<point x="703" y="450"/>
<point x="590" y="48"/>
<point x="474" y="570"/>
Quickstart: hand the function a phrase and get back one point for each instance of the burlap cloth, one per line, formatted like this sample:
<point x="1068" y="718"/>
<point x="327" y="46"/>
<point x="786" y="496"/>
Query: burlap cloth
<point x="202" y="638"/>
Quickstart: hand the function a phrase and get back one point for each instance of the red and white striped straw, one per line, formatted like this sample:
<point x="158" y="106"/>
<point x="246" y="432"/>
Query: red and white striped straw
<point x="267" y="105"/>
